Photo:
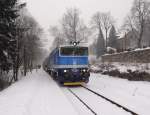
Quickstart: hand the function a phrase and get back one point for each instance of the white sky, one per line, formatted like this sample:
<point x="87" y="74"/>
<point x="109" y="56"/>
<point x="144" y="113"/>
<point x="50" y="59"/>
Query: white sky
<point x="49" y="12"/>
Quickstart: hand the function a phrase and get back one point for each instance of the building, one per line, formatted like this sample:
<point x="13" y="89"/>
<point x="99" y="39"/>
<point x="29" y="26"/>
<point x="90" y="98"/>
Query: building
<point x="130" y="41"/>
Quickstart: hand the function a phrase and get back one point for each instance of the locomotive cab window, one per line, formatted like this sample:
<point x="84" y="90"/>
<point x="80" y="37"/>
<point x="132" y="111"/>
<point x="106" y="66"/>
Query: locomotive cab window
<point x="74" y="51"/>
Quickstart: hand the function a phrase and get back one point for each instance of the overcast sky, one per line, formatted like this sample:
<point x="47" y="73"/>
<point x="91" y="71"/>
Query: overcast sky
<point x="49" y="12"/>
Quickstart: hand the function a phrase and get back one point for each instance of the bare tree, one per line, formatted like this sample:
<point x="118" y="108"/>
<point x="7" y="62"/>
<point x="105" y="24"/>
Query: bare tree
<point x="129" y="25"/>
<point x="96" y="23"/>
<point x="138" y="19"/>
<point x="103" y="21"/>
<point x="106" y="21"/>
<point x="28" y="41"/>
<point x="58" y="35"/>
<point x="73" y="27"/>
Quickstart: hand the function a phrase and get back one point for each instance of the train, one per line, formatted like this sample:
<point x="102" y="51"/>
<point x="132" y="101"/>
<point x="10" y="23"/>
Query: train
<point x="68" y="64"/>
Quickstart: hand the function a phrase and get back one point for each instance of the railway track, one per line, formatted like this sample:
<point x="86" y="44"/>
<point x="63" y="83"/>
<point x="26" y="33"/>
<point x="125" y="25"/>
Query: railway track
<point x="84" y="103"/>
<point x="101" y="96"/>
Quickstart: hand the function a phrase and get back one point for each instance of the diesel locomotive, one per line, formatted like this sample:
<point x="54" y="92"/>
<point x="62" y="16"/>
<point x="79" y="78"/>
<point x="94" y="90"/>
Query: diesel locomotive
<point x="68" y="64"/>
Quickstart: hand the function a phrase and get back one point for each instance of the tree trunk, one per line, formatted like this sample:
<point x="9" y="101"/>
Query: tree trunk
<point x="140" y="38"/>
<point x="24" y="60"/>
<point x="106" y="40"/>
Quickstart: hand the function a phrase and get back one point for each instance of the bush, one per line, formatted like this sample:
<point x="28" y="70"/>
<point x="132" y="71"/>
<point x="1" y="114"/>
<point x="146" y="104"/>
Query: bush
<point x="130" y="75"/>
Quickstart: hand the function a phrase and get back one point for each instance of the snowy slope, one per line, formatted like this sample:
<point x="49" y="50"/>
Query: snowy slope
<point x="36" y="94"/>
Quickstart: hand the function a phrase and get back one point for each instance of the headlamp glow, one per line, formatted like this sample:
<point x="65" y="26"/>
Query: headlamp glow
<point x="84" y="70"/>
<point x="74" y="43"/>
<point x="65" y="71"/>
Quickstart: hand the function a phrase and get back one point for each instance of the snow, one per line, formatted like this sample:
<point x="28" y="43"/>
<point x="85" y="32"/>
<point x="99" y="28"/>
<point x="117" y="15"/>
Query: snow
<point x="95" y="68"/>
<point x="135" y="50"/>
<point x="124" y="67"/>
<point x="36" y="94"/>
<point x="140" y="49"/>
<point x="98" y="104"/>
<point x="133" y="95"/>
<point x="111" y="49"/>
<point x="39" y="94"/>
<point x="5" y="53"/>
<point x="79" y="107"/>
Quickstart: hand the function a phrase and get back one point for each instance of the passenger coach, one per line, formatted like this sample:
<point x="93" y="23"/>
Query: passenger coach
<point x="68" y="65"/>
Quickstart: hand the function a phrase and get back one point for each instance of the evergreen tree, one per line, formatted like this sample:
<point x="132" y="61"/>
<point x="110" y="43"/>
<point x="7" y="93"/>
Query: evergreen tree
<point x="7" y="18"/>
<point x="8" y="32"/>
<point x="100" y="46"/>
<point x="112" y="41"/>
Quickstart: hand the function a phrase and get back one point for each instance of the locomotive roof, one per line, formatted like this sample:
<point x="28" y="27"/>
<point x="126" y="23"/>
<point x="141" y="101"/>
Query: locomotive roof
<point x="73" y="46"/>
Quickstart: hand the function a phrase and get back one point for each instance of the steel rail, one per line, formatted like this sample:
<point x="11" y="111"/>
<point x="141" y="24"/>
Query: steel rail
<point x="111" y="101"/>
<point x="82" y="102"/>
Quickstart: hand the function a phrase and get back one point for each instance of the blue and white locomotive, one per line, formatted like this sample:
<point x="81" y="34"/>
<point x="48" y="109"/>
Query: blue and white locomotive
<point x="69" y="64"/>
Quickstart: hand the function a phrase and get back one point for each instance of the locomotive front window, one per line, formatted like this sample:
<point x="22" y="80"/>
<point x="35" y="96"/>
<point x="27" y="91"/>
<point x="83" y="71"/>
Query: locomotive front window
<point x="74" y="51"/>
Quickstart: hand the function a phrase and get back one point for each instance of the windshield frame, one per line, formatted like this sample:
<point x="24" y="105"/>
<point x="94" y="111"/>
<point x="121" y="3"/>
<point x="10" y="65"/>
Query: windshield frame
<point x="74" y="55"/>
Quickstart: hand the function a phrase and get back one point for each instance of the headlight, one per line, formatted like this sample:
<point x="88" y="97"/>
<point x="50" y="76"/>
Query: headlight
<point x="65" y="71"/>
<point x="84" y="70"/>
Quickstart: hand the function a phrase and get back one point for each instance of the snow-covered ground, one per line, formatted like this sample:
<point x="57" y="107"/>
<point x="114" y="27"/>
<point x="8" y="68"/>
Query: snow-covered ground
<point x="38" y="94"/>
<point x="131" y="94"/>
<point x="99" y="105"/>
